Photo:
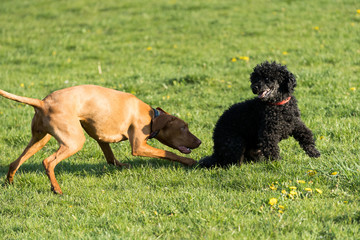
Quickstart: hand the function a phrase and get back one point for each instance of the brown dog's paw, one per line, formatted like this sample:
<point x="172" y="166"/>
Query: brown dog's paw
<point x="119" y="164"/>
<point x="56" y="190"/>
<point x="124" y="165"/>
<point x="190" y="162"/>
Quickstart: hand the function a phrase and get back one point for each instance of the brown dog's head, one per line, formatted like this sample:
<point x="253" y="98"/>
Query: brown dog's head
<point x="174" y="132"/>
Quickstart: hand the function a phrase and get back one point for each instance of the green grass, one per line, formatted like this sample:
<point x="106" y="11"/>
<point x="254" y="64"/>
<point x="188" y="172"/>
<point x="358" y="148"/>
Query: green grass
<point x="178" y="55"/>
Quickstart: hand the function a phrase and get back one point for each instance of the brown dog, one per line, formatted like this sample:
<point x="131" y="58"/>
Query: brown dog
<point x="107" y="116"/>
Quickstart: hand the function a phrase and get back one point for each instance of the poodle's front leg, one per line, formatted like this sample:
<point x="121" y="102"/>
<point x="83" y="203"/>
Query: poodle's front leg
<point x="306" y="139"/>
<point x="269" y="146"/>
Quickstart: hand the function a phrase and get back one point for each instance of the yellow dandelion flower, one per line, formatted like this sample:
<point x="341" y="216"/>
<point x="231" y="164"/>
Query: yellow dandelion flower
<point x="293" y="193"/>
<point x="233" y="59"/>
<point x="334" y="173"/>
<point x="281" y="207"/>
<point x="283" y="191"/>
<point x="322" y="137"/>
<point x="292" y="188"/>
<point x="272" y="201"/>
<point x="358" y="11"/>
<point x="156" y="213"/>
<point x="285" y="53"/>
<point x="280" y="211"/>
<point x="272" y="187"/>
<point x="318" y="190"/>
<point x="311" y="172"/>
<point x="69" y="60"/>
<point x="22" y="85"/>
<point x="149" y="48"/>
<point x="308" y="189"/>
<point x="142" y="212"/>
<point x="244" y="58"/>
<point x="346" y="202"/>
<point x="353" y="89"/>
<point x="316" y="28"/>
<point x="300" y="181"/>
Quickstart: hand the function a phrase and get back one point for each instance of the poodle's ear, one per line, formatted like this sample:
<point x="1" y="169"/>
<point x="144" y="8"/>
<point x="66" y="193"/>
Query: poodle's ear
<point x="290" y="82"/>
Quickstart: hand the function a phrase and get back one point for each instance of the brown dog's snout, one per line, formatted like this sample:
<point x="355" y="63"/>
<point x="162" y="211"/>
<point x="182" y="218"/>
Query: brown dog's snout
<point x="197" y="142"/>
<point x="193" y="141"/>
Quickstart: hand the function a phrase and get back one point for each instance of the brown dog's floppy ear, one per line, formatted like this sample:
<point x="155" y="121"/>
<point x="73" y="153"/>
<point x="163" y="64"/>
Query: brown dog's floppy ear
<point x="161" y="110"/>
<point x="161" y="121"/>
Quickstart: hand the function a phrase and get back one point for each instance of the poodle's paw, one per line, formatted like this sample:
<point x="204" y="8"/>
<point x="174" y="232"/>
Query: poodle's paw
<point x="272" y="156"/>
<point x="254" y="154"/>
<point x="314" y="153"/>
<point x="207" y="162"/>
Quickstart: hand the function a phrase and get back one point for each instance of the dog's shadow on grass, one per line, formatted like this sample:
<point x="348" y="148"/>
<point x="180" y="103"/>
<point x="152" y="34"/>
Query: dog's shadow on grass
<point x="94" y="169"/>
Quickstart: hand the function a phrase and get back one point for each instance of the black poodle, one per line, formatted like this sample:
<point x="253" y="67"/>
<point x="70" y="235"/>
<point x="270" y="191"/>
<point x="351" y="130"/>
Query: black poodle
<point x="252" y="129"/>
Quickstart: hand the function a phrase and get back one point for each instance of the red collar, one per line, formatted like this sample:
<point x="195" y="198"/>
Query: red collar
<point x="282" y="102"/>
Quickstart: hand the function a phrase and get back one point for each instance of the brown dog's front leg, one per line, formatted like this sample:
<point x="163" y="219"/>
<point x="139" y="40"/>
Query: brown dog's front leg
<point x="146" y="150"/>
<point x="109" y="155"/>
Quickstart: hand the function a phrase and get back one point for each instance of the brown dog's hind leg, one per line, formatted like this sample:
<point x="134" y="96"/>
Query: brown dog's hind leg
<point x="71" y="140"/>
<point x="36" y="143"/>
<point x="109" y="155"/>
<point x="50" y="163"/>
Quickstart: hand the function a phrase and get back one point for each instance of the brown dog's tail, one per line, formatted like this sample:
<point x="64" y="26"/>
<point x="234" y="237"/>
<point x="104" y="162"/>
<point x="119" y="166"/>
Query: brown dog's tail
<point x="36" y="103"/>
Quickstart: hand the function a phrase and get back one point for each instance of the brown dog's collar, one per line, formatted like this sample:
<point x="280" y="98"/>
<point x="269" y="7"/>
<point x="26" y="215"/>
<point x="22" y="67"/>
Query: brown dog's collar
<point x="281" y="103"/>
<point x="154" y="134"/>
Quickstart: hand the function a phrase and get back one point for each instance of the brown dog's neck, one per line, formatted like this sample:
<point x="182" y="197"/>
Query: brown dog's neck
<point x="153" y="134"/>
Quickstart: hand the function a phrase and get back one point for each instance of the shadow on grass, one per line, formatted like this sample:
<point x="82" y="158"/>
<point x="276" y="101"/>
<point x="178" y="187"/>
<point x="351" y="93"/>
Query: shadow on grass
<point x="95" y="169"/>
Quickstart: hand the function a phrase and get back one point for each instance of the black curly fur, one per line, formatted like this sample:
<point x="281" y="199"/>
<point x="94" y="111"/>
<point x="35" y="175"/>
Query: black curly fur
<point x="252" y="129"/>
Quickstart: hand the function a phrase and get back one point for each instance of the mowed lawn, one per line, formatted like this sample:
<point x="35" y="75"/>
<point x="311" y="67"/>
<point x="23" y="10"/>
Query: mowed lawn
<point x="193" y="59"/>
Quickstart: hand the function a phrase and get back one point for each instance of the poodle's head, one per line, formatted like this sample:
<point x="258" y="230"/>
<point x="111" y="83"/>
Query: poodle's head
<point x="272" y="82"/>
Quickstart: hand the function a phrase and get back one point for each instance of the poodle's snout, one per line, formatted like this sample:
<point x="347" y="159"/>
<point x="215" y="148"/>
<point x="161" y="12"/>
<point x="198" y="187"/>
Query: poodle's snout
<point x="255" y="89"/>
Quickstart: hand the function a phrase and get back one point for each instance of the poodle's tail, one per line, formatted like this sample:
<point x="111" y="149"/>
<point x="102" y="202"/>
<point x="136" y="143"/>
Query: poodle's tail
<point x="208" y="162"/>
<point x="36" y="103"/>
